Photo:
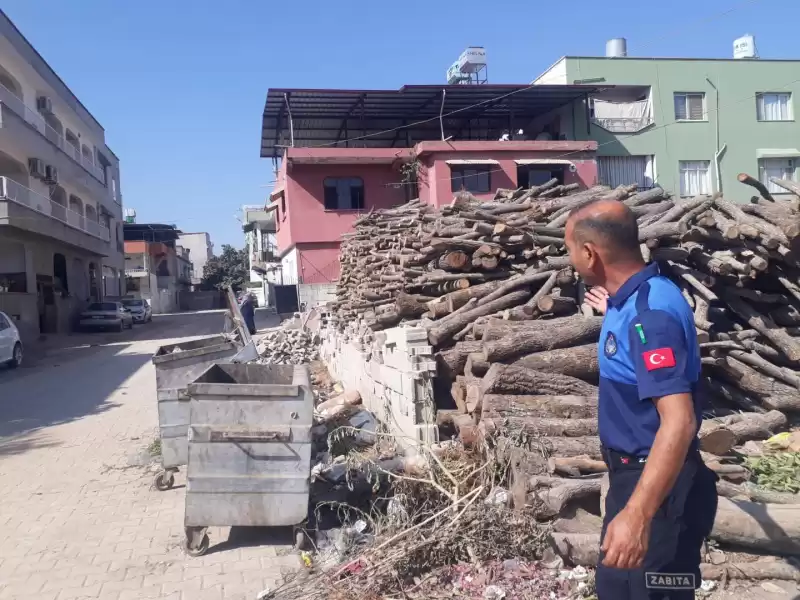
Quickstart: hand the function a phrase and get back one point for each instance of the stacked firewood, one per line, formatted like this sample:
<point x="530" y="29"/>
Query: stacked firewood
<point x="491" y="283"/>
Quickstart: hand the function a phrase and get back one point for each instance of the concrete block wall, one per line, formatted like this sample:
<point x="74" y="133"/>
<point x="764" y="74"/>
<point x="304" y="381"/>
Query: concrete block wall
<point x="394" y="377"/>
<point x="315" y="294"/>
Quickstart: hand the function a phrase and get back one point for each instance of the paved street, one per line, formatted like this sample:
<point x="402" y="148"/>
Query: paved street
<point x="78" y="515"/>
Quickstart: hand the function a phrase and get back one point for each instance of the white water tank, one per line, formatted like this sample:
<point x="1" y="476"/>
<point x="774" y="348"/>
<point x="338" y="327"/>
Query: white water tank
<point x="617" y="48"/>
<point x="745" y="47"/>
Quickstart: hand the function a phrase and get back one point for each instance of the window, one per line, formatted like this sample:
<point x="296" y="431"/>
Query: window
<point x="694" y="177"/>
<point x="780" y="168"/>
<point x="690" y="107"/>
<point x="343" y="193"/>
<point x="614" y="171"/>
<point x="774" y="107"/>
<point x="474" y="178"/>
<point x="3" y="323"/>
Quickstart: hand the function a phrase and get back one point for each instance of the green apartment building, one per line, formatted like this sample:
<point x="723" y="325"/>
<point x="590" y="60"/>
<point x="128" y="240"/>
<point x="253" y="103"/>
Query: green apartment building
<point x="689" y="125"/>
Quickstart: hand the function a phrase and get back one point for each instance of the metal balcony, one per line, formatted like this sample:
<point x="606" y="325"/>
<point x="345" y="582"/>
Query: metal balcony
<point x="14" y="191"/>
<point x="624" y="124"/>
<point x="34" y="118"/>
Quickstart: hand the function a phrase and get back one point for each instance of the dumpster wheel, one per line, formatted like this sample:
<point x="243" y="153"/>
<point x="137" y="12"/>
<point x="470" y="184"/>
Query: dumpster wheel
<point x="164" y="480"/>
<point x="190" y="544"/>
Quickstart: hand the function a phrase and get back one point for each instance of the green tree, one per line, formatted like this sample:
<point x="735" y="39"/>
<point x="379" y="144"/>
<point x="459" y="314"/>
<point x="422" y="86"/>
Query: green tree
<point x="227" y="269"/>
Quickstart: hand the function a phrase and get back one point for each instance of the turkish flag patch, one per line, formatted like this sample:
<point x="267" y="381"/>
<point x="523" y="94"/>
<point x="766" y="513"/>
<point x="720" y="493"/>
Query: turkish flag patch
<point x="660" y="358"/>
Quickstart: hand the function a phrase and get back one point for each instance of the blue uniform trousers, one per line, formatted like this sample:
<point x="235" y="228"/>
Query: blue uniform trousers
<point x="671" y="568"/>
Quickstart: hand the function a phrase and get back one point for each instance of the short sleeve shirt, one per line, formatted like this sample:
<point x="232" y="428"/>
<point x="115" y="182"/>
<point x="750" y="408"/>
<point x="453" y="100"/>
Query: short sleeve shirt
<point x="648" y="349"/>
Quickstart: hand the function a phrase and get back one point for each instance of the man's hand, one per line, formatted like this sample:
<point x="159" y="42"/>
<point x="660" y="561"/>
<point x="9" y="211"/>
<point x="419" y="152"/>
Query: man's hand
<point x="626" y="540"/>
<point x="597" y="298"/>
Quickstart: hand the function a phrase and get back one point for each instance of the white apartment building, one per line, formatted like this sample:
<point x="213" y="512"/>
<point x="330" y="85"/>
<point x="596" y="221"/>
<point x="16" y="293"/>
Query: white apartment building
<point x="61" y="240"/>
<point x="262" y="251"/>
<point x="200" y="250"/>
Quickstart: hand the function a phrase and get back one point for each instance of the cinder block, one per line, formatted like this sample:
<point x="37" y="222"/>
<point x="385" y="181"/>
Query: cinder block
<point x="421" y="350"/>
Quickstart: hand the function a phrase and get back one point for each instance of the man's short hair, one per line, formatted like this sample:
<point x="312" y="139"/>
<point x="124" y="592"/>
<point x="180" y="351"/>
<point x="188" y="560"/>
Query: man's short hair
<point x="619" y="231"/>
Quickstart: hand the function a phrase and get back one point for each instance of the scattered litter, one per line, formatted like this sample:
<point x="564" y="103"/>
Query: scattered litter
<point x="772" y="588"/>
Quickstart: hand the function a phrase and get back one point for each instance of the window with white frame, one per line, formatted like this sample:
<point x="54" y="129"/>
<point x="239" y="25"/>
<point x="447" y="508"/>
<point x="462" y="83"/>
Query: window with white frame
<point x="695" y="177"/>
<point x="779" y="168"/>
<point x="774" y="106"/>
<point x="690" y="107"/>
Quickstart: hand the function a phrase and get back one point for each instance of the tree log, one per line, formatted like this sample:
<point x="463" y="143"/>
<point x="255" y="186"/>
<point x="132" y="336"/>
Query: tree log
<point x="756" y="184"/>
<point x="476" y="366"/>
<point x="507" y="406"/>
<point x="451" y="362"/>
<point x="766" y="327"/>
<point x="457" y="260"/>
<point x="513" y="284"/>
<point x="443" y="331"/>
<point x="752" y="570"/>
<point x="556" y="305"/>
<point x="551" y="496"/>
<point x="548" y="427"/>
<point x="771" y="394"/>
<point x="716" y="438"/>
<point x="511" y="379"/>
<point x="578" y="361"/>
<point x="576" y="466"/>
<point x="773" y="528"/>
<point x="754" y="493"/>
<point x="558" y="333"/>
<point x="752" y="426"/>
<point x="577" y="549"/>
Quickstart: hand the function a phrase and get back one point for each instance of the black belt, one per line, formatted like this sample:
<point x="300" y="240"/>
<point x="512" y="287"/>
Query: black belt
<point x="621" y="461"/>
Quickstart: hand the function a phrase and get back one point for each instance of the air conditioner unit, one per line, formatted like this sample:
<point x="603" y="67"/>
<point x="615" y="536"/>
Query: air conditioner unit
<point x="36" y="167"/>
<point x="51" y="174"/>
<point x="44" y="105"/>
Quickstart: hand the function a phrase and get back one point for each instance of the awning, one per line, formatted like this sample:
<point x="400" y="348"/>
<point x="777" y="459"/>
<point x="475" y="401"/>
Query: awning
<point x="777" y="152"/>
<point x="543" y="161"/>
<point x="472" y="161"/>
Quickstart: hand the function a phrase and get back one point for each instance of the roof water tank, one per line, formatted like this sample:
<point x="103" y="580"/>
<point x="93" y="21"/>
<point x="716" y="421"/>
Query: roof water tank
<point x="472" y="59"/>
<point x="617" y="48"/>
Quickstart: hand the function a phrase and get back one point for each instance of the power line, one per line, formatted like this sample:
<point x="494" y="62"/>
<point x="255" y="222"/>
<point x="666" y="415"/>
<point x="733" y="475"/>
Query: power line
<point x="615" y="141"/>
<point x="533" y="85"/>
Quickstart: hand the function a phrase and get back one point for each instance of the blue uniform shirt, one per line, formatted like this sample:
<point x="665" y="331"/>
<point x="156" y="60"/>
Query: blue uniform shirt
<point x="648" y="349"/>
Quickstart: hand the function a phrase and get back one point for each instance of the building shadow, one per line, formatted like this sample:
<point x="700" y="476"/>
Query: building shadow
<point x="31" y="404"/>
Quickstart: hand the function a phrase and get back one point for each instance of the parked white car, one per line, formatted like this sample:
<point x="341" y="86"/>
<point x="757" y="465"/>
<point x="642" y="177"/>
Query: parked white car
<point x="106" y="315"/>
<point x="10" y="343"/>
<point x="140" y="309"/>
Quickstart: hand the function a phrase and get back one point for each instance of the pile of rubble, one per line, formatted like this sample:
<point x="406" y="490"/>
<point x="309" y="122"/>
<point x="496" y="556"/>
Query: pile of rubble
<point x="287" y="345"/>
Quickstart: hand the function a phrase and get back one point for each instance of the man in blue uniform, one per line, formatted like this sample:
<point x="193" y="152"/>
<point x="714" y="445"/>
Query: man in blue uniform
<point x="662" y="498"/>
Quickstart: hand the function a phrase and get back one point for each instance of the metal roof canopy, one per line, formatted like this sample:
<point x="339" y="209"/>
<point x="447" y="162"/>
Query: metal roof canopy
<point x="150" y="232"/>
<point x="327" y="118"/>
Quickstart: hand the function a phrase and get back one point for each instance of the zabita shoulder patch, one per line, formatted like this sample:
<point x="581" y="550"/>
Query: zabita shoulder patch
<point x="670" y="581"/>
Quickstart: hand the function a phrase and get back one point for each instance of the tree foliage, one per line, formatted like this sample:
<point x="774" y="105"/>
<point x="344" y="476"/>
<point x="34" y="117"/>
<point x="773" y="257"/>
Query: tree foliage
<point x="227" y="269"/>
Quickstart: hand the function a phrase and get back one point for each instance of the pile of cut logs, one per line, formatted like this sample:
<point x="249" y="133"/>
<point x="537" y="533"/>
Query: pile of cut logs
<point x="491" y="283"/>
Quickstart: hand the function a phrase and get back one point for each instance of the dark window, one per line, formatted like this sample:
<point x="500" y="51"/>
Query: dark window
<point x="103" y="307"/>
<point x="344" y="193"/>
<point x="474" y="178"/>
<point x="3" y="323"/>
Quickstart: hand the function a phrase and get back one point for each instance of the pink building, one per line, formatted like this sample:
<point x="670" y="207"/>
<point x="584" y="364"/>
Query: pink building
<point x="339" y="153"/>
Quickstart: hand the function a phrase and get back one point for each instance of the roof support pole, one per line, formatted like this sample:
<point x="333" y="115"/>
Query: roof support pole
<point x="441" y="112"/>
<point x="291" y="123"/>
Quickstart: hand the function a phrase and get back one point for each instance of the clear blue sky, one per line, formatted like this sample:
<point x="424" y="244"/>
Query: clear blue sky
<point x="179" y="85"/>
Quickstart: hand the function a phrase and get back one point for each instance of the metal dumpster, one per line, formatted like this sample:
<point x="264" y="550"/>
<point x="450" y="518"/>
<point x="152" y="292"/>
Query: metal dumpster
<point x="249" y="449"/>
<point x="177" y="365"/>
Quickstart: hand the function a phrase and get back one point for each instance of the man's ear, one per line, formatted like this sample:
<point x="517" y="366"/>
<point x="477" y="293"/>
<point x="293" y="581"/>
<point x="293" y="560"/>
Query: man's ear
<point x="590" y="254"/>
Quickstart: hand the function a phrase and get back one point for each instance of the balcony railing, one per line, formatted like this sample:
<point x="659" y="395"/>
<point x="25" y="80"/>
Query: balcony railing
<point x="623" y="124"/>
<point x="16" y="192"/>
<point x="37" y="121"/>
<point x="136" y="271"/>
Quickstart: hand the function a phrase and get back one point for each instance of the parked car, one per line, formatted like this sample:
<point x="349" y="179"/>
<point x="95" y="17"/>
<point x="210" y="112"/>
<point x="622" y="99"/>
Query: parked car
<point x="140" y="309"/>
<point x="10" y="343"/>
<point x="106" y="315"/>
